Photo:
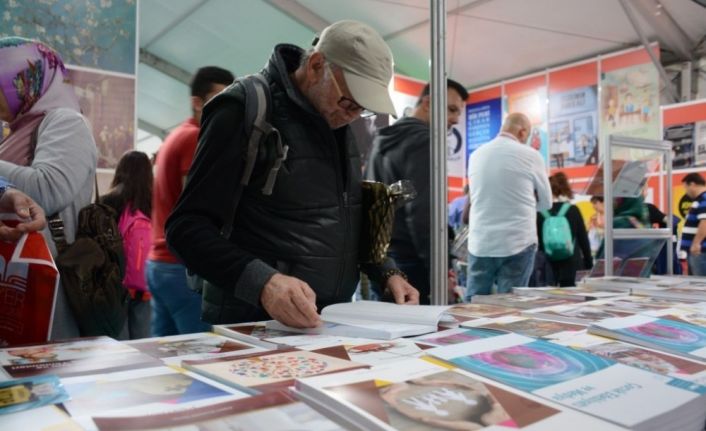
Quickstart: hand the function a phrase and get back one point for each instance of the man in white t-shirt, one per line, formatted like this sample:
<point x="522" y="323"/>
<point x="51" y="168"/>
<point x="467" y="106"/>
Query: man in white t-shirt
<point x="509" y="184"/>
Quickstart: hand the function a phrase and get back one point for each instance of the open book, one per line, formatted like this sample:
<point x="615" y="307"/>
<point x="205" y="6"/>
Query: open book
<point x="372" y="319"/>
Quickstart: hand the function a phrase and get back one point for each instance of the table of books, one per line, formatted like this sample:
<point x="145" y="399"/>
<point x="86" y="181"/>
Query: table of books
<point x="613" y="353"/>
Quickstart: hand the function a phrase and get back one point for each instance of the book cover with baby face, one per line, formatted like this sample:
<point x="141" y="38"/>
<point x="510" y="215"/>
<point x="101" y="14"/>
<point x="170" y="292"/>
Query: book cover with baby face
<point x="441" y="401"/>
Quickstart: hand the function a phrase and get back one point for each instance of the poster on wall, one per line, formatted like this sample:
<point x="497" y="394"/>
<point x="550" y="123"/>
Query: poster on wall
<point x="683" y="148"/>
<point x="97" y="34"/>
<point x="483" y="120"/>
<point x="456" y="148"/>
<point x="573" y="127"/>
<point x="108" y="101"/>
<point x="533" y="104"/>
<point x="630" y="102"/>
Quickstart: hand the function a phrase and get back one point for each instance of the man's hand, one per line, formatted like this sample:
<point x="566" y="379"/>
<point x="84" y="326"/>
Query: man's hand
<point x="31" y="214"/>
<point x="290" y="301"/>
<point x="401" y="291"/>
<point x="695" y="248"/>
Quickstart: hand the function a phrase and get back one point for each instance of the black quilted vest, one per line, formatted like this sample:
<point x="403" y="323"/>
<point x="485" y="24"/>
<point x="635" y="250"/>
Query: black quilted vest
<point x="309" y="227"/>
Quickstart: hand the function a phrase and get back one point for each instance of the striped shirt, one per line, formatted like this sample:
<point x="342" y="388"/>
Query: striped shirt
<point x="691" y="224"/>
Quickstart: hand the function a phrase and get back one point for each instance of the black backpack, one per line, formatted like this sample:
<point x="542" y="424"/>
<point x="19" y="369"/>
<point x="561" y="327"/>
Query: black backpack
<point x="261" y="135"/>
<point x="91" y="269"/>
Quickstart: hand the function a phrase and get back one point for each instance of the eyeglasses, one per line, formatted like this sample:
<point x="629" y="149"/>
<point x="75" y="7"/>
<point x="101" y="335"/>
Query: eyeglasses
<point x="346" y="103"/>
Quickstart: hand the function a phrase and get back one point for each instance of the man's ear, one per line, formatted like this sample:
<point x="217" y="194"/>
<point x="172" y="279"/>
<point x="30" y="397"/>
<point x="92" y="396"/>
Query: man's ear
<point x="315" y="67"/>
<point x="196" y="104"/>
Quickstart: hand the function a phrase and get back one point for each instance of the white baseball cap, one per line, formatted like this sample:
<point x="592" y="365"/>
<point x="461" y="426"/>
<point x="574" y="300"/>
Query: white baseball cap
<point x="365" y="59"/>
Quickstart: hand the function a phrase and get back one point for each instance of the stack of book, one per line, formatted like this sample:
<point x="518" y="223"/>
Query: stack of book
<point x="595" y="385"/>
<point x="667" y="335"/>
<point x="523" y="302"/>
<point x="571" y="293"/>
<point x="584" y="313"/>
<point x="419" y="395"/>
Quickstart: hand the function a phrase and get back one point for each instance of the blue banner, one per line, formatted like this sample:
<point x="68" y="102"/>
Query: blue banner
<point x="483" y="120"/>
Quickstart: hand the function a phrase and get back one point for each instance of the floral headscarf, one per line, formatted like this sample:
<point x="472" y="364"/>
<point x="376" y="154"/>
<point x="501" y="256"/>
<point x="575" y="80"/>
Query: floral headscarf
<point x="33" y="80"/>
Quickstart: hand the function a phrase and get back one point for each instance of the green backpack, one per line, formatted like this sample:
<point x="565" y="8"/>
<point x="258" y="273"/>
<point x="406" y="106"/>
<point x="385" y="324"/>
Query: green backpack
<point x="556" y="234"/>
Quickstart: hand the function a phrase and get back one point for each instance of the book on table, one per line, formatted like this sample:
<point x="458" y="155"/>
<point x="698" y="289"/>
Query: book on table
<point x="671" y="336"/>
<point x="523" y="302"/>
<point x="474" y="310"/>
<point x="525" y="325"/>
<point x="268" y="371"/>
<point x="636" y="356"/>
<point x="258" y="334"/>
<point x="580" y="293"/>
<point x="454" y="336"/>
<point x="373" y="352"/>
<point x="692" y="315"/>
<point x="633" y="304"/>
<point x="150" y="390"/>
<point x="271" y="411"/>
<point x="626" y="284"/>
<point x="175" y="348"/>
<point x="373" y="319"/>
<point x="584" y="313"/>
<point x="420" y="395"/>
<point x="626" y="396"/>
<point x="72" y="358"/>
<point x="673" y="293"/>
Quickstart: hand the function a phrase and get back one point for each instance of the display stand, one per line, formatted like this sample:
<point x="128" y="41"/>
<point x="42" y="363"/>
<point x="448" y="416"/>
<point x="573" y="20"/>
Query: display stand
<point x="617" y="184"/>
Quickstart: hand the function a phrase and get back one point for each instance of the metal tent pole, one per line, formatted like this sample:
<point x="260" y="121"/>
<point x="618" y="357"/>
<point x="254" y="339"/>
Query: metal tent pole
<point x="439" y="210"/>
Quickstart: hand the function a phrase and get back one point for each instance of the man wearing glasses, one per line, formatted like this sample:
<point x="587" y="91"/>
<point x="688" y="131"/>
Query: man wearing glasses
<point x="294" y="251"/>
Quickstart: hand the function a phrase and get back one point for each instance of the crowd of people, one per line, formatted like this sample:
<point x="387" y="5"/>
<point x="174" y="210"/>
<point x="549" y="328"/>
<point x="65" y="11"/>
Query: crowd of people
<point x="206" y="208"/>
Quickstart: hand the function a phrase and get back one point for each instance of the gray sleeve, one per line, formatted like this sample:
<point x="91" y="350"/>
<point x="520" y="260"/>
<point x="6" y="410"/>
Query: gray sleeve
<point x="541" y="184"/>
<point x="64" y="159"/>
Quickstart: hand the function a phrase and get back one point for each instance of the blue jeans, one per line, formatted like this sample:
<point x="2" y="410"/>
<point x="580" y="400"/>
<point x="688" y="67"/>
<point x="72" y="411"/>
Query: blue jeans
<point x="506" y="272"/>
<point x="697" y="264"/>
<point x="176" y="309"/>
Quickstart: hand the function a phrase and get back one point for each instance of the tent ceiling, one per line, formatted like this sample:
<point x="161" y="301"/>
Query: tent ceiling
<point x="487" y="40"/>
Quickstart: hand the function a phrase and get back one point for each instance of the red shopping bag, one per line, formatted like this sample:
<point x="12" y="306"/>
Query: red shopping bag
<point x="28" y="285"/>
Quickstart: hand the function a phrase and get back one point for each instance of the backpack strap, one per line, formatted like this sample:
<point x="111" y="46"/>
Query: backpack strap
<point x="564" y="209"/>
<point x="258" y="101"/>
<point x="545" y="214"/>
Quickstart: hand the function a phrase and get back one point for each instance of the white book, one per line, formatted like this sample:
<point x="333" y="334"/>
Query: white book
<point x="373" y="319"/>
<point x="372" y="352"/>
<point x="635" y="356"/>
<point x="419" y="395"/>
<point x="627" y="396"/>
<point x="666" y="335"/>
<point x="258" y="334"/>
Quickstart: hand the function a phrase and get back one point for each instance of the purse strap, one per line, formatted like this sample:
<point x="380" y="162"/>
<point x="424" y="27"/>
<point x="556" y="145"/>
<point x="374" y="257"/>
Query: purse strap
<point x="56" y="224"/>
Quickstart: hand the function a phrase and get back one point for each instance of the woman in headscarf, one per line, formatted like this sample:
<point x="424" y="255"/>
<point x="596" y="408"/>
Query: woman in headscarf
<point x="50" y="153"/>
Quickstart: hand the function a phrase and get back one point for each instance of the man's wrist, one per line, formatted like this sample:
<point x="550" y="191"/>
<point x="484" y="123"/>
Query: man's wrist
<point x="391" y="273"/>
<point x="4" y="188"/>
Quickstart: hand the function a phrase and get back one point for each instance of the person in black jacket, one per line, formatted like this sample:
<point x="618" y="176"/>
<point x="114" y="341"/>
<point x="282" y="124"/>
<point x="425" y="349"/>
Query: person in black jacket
<point x="401" y="152"/>
<point x="294" y="251"/>
<point x="563" y="272"/>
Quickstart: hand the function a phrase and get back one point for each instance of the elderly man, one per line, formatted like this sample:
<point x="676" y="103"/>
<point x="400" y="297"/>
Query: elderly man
<point x="294" y="251"/>
<point x="509" y="184"/>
